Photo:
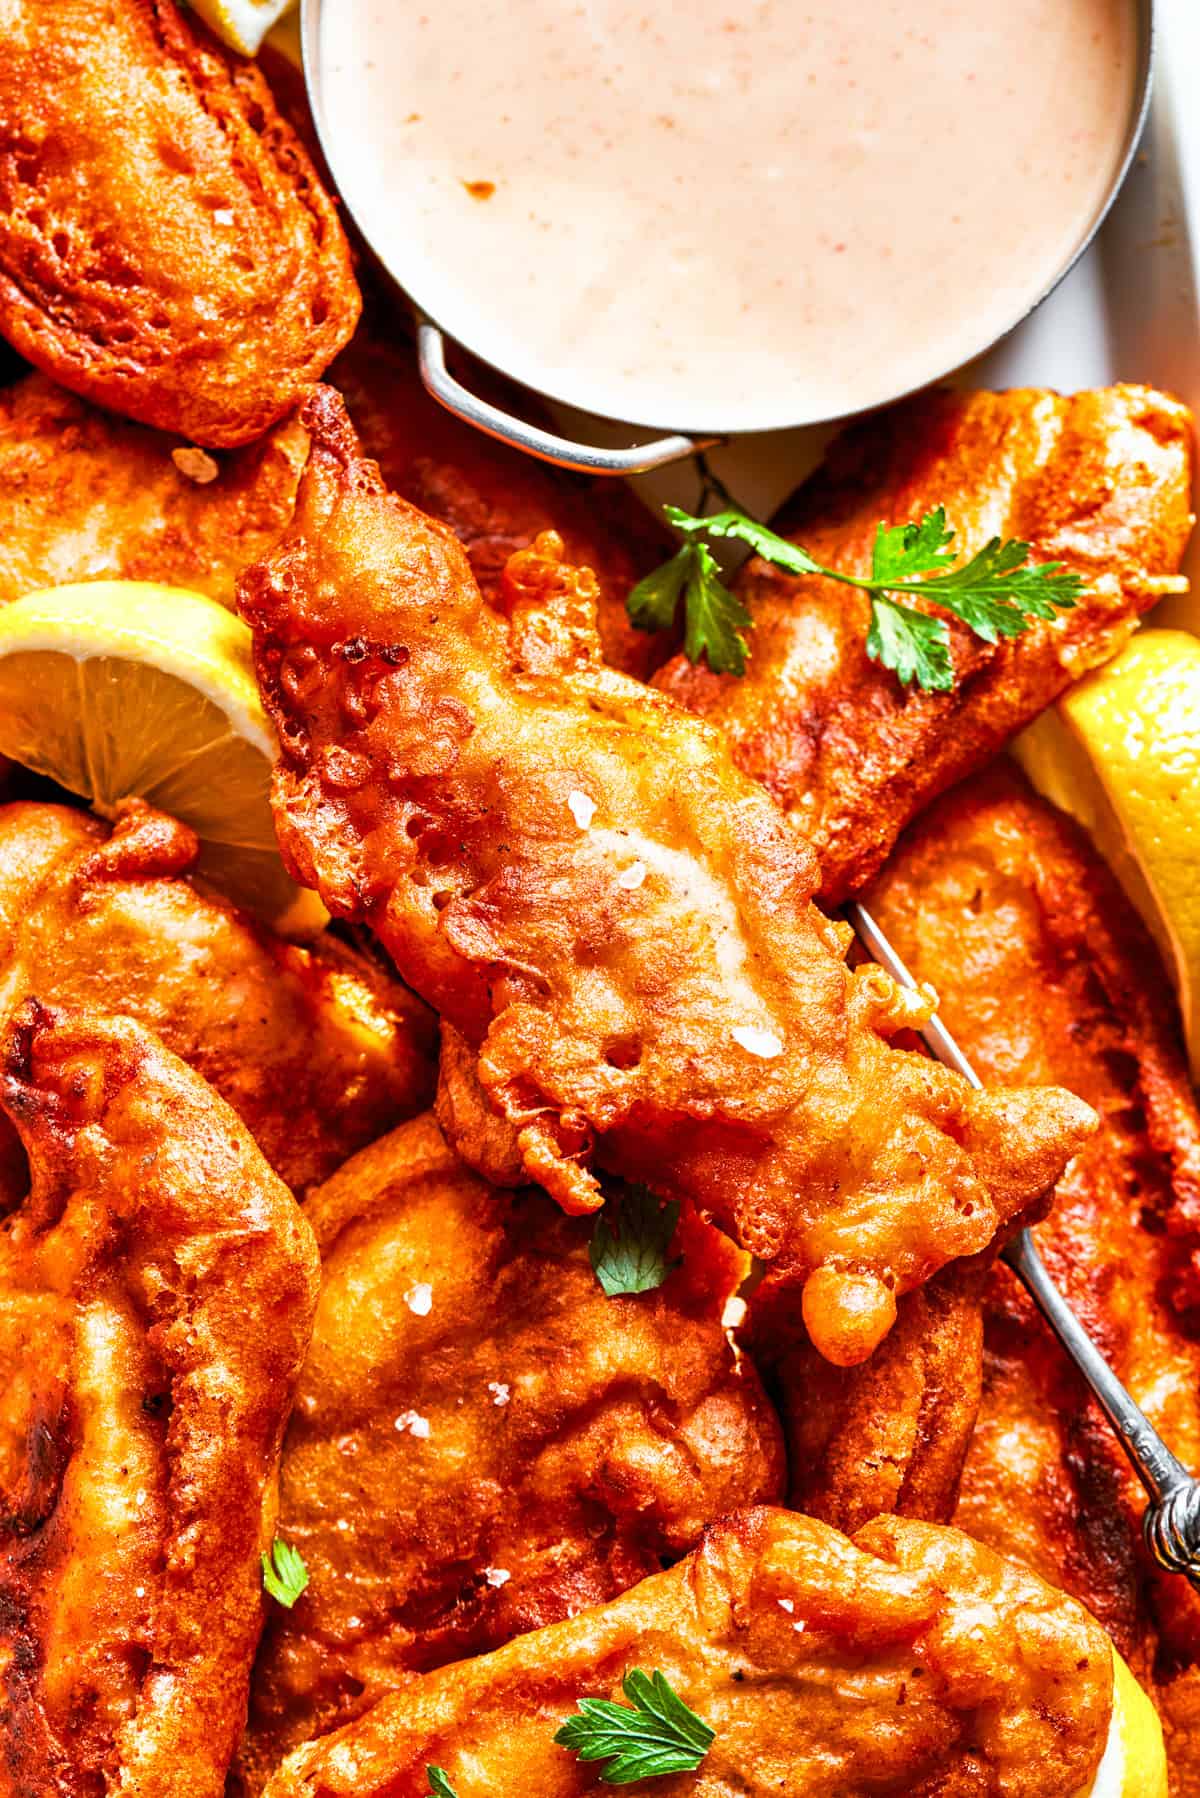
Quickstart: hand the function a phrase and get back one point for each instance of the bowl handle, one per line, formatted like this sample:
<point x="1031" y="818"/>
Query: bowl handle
<point x="584" y="458"/>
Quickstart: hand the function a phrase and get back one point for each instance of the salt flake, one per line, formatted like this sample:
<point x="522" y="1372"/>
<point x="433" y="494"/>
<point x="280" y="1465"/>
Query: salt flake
<point x="499" y="1392"/>
<point x="414" y="1423"/>
<point x="632" y="877"/>
<point x="419" y="1298"/>
<point x="497" y="1576"/>
<point x="582" y="809"/>
<point x="763" y="1043"/>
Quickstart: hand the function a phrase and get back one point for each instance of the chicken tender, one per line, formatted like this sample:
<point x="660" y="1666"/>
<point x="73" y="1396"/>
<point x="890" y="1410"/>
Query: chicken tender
<point x="166" y="246"/>
<point x="1100" y="482"/>
<point x="157" y="1289"/>
<point x="85" y="496"/>
<point x="613" y="919"/>
<point x="909" y="1660"/>
<point x="483" y="1442"/>
<point x="1045" y="973"/>
<point x="315" y="1051"/>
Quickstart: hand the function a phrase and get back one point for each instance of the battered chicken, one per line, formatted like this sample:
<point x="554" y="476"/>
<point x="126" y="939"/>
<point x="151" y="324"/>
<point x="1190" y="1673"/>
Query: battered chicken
<point x="496" y="500"/>
<point x="156" y="1292"/>
<point x="166" y="246"/>
<point x="85" y="496"/>
<point x="483" y="1442"/>
<point x="316" y="1052"/>
<point x="571" y="870"/>
<point x="1045" y="973"/>
<point x="1101" y="482"/>
<point x="909" y="1660"/>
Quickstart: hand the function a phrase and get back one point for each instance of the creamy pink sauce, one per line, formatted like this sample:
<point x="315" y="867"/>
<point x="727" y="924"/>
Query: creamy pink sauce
<point x="726" y="213"/>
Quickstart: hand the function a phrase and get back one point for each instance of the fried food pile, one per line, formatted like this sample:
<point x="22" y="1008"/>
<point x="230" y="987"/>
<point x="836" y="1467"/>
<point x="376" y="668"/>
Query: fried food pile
<point x="483" y="1442"/>
<point x="354" y="1447"/>
<point x="614" y="922"/>
<point x="1045" y="972"/>
<point x="908" y="1660"/>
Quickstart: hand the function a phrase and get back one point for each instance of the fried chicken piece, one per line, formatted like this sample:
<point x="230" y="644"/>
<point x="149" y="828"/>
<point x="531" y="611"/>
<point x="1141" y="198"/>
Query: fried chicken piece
<point x="1100" y="482"/>
<point x="315" y="1051"/>
<point x="572" y="871"/>
<point x="1045" y="973"/>
<point x="85" y="496"/>
<point x="157" y="1288"/>
<point x="495" y="499"/>
<point x="909" y="1660"/>
<point x="891" y="1434"/>
<point x="483" y="1442"/>
<point x="166" y="246"/>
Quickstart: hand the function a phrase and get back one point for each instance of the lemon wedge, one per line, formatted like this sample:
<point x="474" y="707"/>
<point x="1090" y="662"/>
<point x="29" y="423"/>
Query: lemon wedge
<point x="1121" y="753"/>
<point x="242" y="24"/>
<point x="1135" y="1761"/>
<point x="119" y="689"/>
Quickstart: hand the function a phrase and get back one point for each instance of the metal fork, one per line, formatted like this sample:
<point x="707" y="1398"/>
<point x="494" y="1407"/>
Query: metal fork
<point x="1171" y="1522"/>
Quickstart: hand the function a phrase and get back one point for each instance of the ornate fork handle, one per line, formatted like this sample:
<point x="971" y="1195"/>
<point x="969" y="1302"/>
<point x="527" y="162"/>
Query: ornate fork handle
<point x="1171" y="1523"/>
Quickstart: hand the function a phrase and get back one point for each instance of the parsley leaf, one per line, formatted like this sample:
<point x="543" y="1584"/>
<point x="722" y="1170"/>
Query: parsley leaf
<point x="284" y="1575"/>
<point x="659" y="1735"/>
<point x="904" y="552"/>
<point x="653" y="603"/>
<point x="912" y="643"/>
<point x="996" y="593"/>
<point x="629" y="1253"/>
<point x="439" y="1785"/>
<point x="714" y="617"/>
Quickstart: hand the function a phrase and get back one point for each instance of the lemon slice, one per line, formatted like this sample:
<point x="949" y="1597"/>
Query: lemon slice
<point x="1121" y="753"/>
<point x="117" y="689"/>
<point x="1135" y="1761"/>
<point x="242" y="24"/>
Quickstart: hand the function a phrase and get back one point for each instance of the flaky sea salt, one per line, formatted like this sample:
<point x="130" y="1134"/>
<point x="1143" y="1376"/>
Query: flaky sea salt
<point x="419" y="1298"/>
<point x="497" y="1576"/>
<point x="632" y="877"/>
<point x="582" y="809"/>
<point x="414" y="1423"/>
<point x="763" y="1043"/>
<point x="499" y="1392"/>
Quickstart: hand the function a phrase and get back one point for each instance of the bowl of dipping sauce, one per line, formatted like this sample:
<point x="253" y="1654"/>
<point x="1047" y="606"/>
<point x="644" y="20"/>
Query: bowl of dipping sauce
<point x="719" y="217"/>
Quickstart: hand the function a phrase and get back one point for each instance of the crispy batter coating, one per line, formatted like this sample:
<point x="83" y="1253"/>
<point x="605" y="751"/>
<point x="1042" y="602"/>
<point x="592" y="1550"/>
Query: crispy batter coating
<point x="85" y="496"/>
<point x="315" y="1051"/>
<point x="157" y="1288"/>
<point x="572" y="871"/>
<point x="909" y="1660"/>
<point x="496" y="500"/>
<point x="1045" y="973"/>
<point x="1101" y="482"/>
<point x="166" y="246"/>
<point x="483" y="1442"/>
<point x="891" y="1434"/>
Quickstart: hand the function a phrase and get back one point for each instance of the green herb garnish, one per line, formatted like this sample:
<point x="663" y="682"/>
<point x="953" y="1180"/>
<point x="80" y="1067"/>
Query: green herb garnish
<point x="284" y="1574"/>
<point x="629" y="1249"/>
<point x="439" y="1784"/>
<point x="659" y="1735"/>
<point x="997" y="593"/>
